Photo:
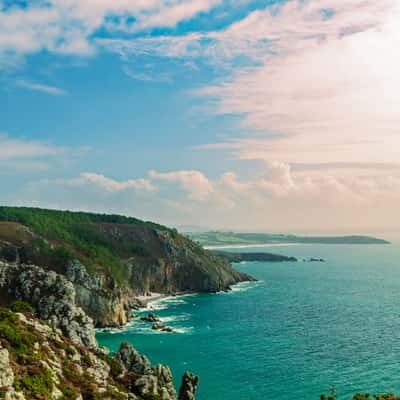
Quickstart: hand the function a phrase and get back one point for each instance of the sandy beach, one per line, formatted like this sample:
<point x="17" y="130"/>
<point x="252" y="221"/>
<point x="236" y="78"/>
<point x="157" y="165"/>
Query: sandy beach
<point x="146" y="299"/>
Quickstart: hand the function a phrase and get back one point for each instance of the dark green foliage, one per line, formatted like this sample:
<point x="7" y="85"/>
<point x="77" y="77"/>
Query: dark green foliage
<point x="20" y="306"/>
<point x="17" y="338"/>
<point x="68" y="391"/>
<point x="152" y="397"/>
<point x="57" y="224"/>
<point x="361" y="396"/>
<point x="37" y="384"/>
<point x="66" y="347"/>
<point x="115" y="366"/>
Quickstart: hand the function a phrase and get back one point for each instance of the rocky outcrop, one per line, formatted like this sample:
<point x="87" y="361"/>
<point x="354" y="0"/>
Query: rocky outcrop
<point x="132" y="361"/>
<point x="189" y="386"/>
<point x="43" y="364"/>
<point x="53" y="298"/>
<point x="146" y="379"/>
<point x="163" y="328"/>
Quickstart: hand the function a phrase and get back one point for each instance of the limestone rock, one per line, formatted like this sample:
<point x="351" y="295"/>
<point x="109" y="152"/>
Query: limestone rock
<point x="6" y="372"/>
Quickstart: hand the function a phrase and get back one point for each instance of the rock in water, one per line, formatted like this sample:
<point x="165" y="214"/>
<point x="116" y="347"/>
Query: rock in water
<point x="189" y="386"/>
<point x="150" y="318"/>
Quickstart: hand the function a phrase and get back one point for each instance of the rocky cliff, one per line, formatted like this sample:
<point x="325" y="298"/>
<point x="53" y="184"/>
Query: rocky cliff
<point x="38" y="363"/>
<point x="110" y="260"/>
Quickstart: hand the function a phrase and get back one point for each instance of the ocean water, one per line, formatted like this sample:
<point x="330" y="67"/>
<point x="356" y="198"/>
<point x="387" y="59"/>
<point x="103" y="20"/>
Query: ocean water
<point x="302" y="328"/>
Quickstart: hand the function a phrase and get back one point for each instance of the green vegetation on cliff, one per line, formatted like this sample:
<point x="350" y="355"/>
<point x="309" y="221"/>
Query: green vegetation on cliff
<point x="121" y="251"/>
<point x="64" y="235"/>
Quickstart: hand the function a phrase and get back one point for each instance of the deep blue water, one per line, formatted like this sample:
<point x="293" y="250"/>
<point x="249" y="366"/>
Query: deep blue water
<point x="301" y="328"/>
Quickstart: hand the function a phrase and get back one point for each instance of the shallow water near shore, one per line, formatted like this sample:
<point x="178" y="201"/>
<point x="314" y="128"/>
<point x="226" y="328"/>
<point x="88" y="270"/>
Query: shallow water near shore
<point x="303" y="327"/>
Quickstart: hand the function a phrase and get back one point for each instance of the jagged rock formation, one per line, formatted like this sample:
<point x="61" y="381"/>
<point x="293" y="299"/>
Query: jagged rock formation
<point x="189" y="386"/>
<point x="53" y="298"/>
<point x="147" y="380"/>
<point x="37" y="362"/>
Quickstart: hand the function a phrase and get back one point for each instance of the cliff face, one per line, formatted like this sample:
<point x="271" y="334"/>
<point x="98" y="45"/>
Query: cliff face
<point x="110" y="260"/>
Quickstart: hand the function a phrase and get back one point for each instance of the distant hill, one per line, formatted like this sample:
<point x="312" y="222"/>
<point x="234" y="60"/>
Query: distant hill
<point x="216" y="238"/>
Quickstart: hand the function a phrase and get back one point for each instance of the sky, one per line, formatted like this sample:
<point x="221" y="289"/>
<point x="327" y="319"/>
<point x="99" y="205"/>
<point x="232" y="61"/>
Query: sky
<point x="255" y="115"/>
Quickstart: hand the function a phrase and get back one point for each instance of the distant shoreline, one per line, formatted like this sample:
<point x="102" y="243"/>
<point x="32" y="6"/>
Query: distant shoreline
<point x="246" y="246"/>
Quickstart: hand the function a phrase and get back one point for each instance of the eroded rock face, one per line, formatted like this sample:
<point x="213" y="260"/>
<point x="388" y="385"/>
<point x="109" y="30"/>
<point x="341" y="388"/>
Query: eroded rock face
<point x="53" y="298"/>
<point x="189" y="386"/>
<point x="107" y="307"/>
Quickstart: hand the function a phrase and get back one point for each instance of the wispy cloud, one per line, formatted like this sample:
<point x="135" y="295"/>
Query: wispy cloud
<point x="25" y="156"/>
<point x="13" y="148"/>
<point x="40" y="87"/>
<point x="329" y="91"/>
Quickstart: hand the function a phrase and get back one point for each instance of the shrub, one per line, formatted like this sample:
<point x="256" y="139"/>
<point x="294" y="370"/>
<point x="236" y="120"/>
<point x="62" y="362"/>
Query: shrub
<point x="20" y="306"/>
<point x="38" y="384"/>
<point x="68" y="391"/>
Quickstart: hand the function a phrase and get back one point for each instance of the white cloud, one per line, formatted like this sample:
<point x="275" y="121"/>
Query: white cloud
<point x="66" y="26"/>
<point x="116" y="186"/>
<point x="194" y="183"/>
<point x="25" y="149"/>
<point x="40" y="87"/>
<point x="328" y="93"/>
<point x="276" y="199"/>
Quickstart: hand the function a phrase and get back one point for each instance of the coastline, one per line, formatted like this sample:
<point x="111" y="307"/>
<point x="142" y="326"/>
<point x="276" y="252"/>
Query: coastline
<point x="247" y="246"/>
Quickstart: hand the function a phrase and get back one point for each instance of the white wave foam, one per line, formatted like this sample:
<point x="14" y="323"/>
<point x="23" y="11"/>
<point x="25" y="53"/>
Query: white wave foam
<point x="244" y="286"/>
<point x="175" y="318"/>
<point x="165" y="302"/>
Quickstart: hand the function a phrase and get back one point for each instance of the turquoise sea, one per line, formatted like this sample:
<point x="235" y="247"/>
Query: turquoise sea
<point x="303" y="327"/>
